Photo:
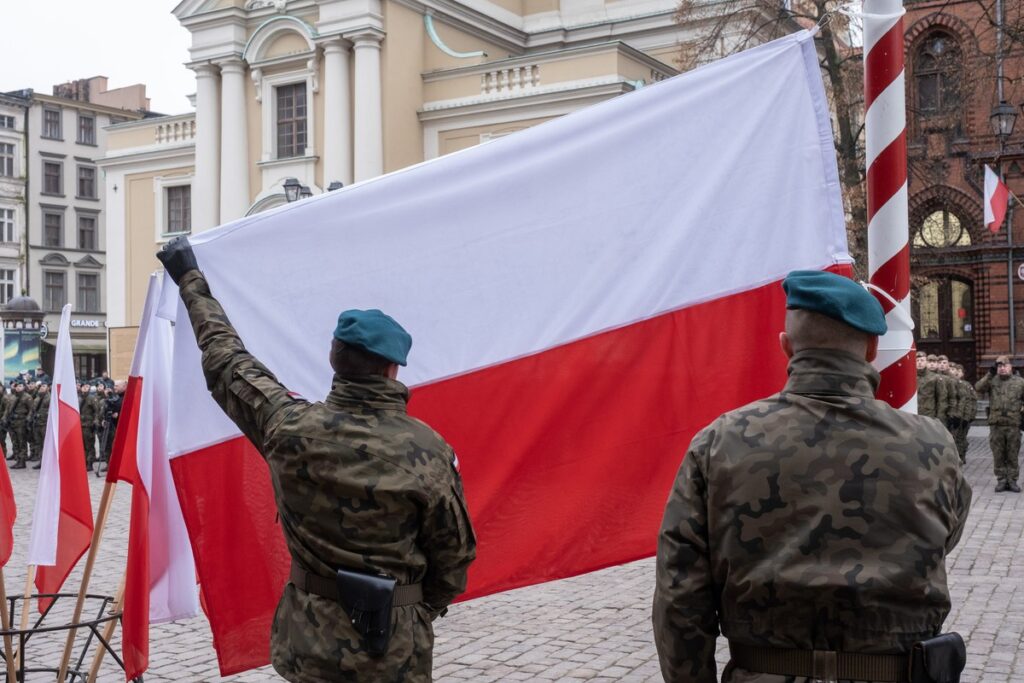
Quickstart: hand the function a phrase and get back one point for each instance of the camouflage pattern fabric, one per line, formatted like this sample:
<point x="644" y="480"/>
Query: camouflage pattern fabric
<point x="17" y="424"/>
<point x="5" y="406"/>
<point x="1005" y="445"/>
<point x="927" y="393"/>
<point x="89" y="410"/>
<point x="360" y="485"/>
<point x="967" y="410"/>
<point x="945" y="399"/>
<point x="1006" y="397"/>
<point x="817" y="518"/>
<point x="40" y="410"/>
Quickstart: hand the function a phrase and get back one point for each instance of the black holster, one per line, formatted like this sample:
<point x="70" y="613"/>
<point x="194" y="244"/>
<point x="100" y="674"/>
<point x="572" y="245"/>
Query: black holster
<point x="938" y="660"/>
<point x="367" y="599"/>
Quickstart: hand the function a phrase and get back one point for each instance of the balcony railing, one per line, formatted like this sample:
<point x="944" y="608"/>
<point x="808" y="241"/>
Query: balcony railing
<point x="175" y="131"/>
<point x="510" y="80"/>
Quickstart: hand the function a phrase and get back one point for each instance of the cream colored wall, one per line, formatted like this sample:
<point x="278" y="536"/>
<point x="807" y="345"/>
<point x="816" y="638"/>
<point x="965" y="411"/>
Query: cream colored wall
<point x="287" y="44"/>
<point x="140" y="237"/>
<point x="318" y="126"/>
<point x="434" y="58"/>
<point x="537" y="6"/>
<point x="453" y="140"/>
<point x="402" y="93"/>
<point x="131" y="137"/>
<point x="667" y="55"/>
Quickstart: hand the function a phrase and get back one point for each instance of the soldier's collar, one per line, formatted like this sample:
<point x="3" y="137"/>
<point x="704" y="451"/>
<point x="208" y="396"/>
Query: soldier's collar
<point x="831" y="372"/>
<point x="375" y="392"/>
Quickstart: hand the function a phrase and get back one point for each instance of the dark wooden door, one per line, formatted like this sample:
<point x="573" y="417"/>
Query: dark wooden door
<point x="943" y="310"/>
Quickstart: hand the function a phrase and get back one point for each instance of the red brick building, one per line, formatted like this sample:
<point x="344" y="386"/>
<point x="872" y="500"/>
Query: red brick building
<point x="961" y="299"/>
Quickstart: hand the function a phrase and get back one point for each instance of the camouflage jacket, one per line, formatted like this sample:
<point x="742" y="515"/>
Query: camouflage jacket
<point x="5" y="404"/>
<point x="89" y="410"/>
<point x="1005" y="399"/>
<point x="359" y="484"/>
<point x="968" y="401"/>
<point x="817" y="518"/>
<point x="20" y="410"/>
<point x="40" y="410"/>
<point x="927" y="393"/>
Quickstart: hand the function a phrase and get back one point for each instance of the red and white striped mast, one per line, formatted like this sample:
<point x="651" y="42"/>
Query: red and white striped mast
<point x="885" y="128"/>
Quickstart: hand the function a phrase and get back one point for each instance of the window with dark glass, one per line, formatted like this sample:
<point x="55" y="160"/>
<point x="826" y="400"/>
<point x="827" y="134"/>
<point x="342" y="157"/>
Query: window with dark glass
<point x="6" y="160"/>
<point x="88" y="293"/>
<point x="87" y="232"/>
<point x="6" y="121"/>
<point x="6" y="285"/>
<point x="291" y="120"/>
<point x="54" y="290"/>
<point x="52" y="172"/>
<point x="179" y="209"/>
<point x="53" y="229"/>
<point x="942" y="228"/>
<point x="6" y="225"/>
<point x="86" y="129"/>
<point x="938" y="69"/>
<point x="87" y="182"/>
<point x="51" y="124"/>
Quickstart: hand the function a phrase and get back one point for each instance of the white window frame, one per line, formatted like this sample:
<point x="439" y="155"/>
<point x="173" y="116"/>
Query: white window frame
<point x="60" y="123"/>
<point x="160" y="185"/>
<point x="14" y="225"/>
<point x="13" y="282"/>
<point x="267" y="87"/>
<point x="14" y="157"/>
<point x="79" y="308"/>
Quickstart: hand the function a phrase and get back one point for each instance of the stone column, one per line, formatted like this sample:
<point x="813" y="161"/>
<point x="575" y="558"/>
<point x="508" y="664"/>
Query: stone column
<point x="337" y="114"/>
<point x="206" y="190"/>
<point x="234" y="142"/>
<point x="368" y="134"/>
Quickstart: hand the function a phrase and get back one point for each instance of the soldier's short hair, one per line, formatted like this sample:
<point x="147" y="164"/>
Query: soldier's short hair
<point x="922" y="354"/>
<point x="932" y="358"/>
<point x="942" y="357"/>
<point x="351" y="361"/>
<point x="810" y="330"/>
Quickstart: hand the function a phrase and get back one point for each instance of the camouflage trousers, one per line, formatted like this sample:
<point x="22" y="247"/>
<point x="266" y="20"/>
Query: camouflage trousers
<point x="89" y="437"/>
<point x="1005" y="445"/>
<point x="312" y="641"/>
<point x="19" y="434"/>
<point x="960" y="437"/>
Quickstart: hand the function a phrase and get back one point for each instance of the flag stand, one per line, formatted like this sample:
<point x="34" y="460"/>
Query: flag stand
<point x="5" y="622"/>
<point x="25" y="606"/>
<point x="108" y="633"/>
<point x="101" y="520"/>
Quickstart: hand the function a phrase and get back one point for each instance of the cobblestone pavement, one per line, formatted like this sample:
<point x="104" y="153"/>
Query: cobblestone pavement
<point x="590" y="628"/>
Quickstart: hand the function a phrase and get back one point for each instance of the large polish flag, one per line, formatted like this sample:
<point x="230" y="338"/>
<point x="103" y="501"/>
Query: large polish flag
<point x="62" y="519"/>
<point x="997" y="199"/>
<point x="160" y="579"/>
<point x="583" y="296"/>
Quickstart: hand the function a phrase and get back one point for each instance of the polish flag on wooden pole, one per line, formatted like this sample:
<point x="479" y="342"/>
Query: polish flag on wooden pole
<point x="8" y="513"/>
<point x="997" y="198"/>
<point x="62" y="520"/>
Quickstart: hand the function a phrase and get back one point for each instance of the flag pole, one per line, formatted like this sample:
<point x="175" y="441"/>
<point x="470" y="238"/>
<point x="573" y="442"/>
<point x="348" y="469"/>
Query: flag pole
<point x="108" y="633"/>
<point x="97" y="534"/>
<point x="26" y="605"/>
<point x="5" y="622"/>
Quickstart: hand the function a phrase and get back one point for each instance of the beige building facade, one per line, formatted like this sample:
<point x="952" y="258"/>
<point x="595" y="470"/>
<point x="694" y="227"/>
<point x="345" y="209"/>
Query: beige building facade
<point x="340" y="91"/>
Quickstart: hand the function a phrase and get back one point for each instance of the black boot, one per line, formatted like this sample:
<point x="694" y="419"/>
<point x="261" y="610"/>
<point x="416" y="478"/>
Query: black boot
<point x="1012" y="486"/>
<point x="1001" y="486"/>
<point x="37" y="466"/>
<point x="20" y="465"/>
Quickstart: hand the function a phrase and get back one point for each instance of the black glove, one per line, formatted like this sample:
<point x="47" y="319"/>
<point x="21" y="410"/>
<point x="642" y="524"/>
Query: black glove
<point x="992" y="370"/>
<point x="178" y="258"/>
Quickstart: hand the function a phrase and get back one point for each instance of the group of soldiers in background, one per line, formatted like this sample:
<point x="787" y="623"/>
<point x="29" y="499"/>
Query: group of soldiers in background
<point x="24" y="408"/>
<point x="943" y="393"/>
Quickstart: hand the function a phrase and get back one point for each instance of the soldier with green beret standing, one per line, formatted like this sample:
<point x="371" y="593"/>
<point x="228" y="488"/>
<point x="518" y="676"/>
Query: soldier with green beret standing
<point x="812" y="526"/>
<point x="370" y="499"/>
<point x="1006" y="399"/>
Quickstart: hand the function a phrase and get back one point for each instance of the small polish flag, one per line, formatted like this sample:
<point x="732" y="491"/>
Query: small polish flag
<point x="997" y="196"/>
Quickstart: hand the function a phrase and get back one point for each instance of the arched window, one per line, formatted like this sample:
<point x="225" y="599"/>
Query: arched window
<point x="938" y="65"/>
<point x="942" y="228"/>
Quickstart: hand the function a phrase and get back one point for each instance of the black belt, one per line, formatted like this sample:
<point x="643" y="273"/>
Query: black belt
<point x="404" y="595"/>
<point x="828" y="665"/>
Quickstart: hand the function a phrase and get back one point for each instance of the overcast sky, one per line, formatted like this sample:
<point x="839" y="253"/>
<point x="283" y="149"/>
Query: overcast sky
<point x="46" y="42"/>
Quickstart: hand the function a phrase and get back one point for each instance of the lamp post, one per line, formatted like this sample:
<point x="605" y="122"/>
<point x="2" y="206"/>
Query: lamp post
<point x="292" y="188"/>
<point x="335" y="185"/>
<point x="305" y="192"/>
<point x="1003" y="119"/>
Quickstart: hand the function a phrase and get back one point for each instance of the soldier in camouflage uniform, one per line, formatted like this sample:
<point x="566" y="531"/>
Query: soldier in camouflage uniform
<point x="813" y="524"/>
<point x="90" y="412"/>
<point x="359" y="485"/>
<point x="966" y="410"/>
<point x="17" y="424"/>
<point x="927" y="387"/>
<point x="40" y="413"/>
<point x="1006" y="394"/>
<point x="5" y="406"/>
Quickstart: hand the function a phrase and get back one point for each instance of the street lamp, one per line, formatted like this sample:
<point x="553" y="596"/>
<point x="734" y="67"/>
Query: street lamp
<point x="1003" y="118"/>
<point x="292" y="188"/>
<point x="337" y="184"/>
<point x="305" y="192"/>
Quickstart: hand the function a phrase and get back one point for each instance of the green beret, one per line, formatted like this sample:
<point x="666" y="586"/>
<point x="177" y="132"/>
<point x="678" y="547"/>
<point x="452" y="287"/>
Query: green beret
<point x="376" y="332"/>
<point x="838" y="297"/>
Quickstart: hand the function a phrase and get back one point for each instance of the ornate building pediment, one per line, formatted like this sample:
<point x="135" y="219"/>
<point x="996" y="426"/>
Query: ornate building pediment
<point x="279" y="5"/>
